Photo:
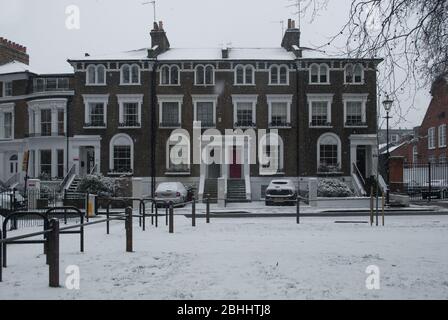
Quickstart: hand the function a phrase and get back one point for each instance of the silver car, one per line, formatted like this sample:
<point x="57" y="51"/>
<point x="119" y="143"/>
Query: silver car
<point x="282" y="191"/>
<point x="170" y="191"/>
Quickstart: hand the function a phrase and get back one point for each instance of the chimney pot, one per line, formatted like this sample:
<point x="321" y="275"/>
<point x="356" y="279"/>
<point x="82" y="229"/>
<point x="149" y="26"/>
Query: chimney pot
<point x="289" y="23"/>
<point x="161" y="25"/>
<point x="293" y="24"/>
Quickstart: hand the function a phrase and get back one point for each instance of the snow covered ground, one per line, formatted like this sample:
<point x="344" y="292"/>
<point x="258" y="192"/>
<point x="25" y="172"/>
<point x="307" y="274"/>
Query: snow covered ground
<point x="258" y="258"/>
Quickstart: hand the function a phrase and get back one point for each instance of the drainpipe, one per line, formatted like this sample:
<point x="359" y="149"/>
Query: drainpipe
<point x="153" y="127"/>
<point x="298" y="125"/>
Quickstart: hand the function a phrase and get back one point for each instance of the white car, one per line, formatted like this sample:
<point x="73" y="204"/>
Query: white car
<point x="170" y="191"/>
<point x="281" y="191"/>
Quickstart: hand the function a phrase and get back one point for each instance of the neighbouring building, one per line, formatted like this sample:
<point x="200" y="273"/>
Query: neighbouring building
<point x="429" y="143"/>
<point x="122" y="109"/>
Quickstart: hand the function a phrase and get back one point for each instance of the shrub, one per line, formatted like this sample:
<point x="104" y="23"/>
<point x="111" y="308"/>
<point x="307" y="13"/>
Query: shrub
<point x="46" y="192"/>
<point x="98" y="185"/>
<point x="333" y="188"/>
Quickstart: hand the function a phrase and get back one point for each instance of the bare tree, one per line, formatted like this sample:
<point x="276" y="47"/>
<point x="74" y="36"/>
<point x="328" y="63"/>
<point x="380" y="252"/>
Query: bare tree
<point x="410" y="35"/>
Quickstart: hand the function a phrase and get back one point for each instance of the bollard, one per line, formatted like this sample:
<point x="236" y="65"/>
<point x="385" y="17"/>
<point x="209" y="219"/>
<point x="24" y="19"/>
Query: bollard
<point x="207" y="209"/>
<point x="371" y="206"/>
<point x="144" y="214"/>
<point x="53" y="253"/>
<point x="382" y="208"/>
<point x="82" y="233"/>
<point x="166" y="213"/>
<point x="107" y="216"/>
<point x="157" y="216"/>
<point x="193" y="212"/>
<point x="128" y="227"/>
<point x="298" y="210"/>
<point x="171" y="220"/>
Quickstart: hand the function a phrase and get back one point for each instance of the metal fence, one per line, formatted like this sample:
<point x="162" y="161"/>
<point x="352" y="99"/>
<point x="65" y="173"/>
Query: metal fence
<point x="425" y="181"/>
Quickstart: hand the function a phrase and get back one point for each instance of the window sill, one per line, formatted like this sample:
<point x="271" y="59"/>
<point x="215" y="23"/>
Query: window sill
<point x="354" y="84"/>
<point x="169" y="85"/>
<point x="130" y="84"/>
<point x="319" y="83"/>
<point x="334" y="173"/>
<point x="279" y="127"/>
<point x="204" y="85"/>
<point x="129" y="127"/>
<point x="93" y="128"/>
<point x="320" y="127"/>
<point x="180" y="173"/>
<point x="356" y="126"/>
<point x="272" y="174"/>
<point x="169" y="127"/>
<point x="112" y="173"/>
<point x="96" y="84"/>
<point x="278" y="84"/>
<point x="244" y="84"/>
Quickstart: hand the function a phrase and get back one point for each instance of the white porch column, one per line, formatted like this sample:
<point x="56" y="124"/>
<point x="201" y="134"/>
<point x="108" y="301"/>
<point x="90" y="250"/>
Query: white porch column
<point x="98" y="159"/>
<point x="2" y="127"/>
<point x="54" y="121"/>
<point x="54" y="163"/>
<point x="353" y="147"/>
<point x="37" y="122"/>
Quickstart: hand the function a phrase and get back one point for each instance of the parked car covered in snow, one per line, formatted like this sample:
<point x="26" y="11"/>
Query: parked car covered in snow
<point x="281" y="191"/>
<point x="170" y="191"/>
<point x="439" y="189"/>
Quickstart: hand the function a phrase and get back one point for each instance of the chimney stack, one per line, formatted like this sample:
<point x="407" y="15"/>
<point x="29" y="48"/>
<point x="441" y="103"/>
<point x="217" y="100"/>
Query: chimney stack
<point x="11" y="51"/>
<point x="159" y="40"/>
<point x="291" y="39"/>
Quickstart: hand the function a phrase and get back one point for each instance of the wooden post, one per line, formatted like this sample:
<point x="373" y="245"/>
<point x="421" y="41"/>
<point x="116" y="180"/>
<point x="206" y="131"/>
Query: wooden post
<point x="144" y="214"/>
<point x="128" y="225"/>
<point x="171" y="220"/>
<point x="166" y="213"/>
<point x="382" y="208"/>
<point x="1" y="256"/>
<point x="193" y="212"/>
<point x="298" y="210"/>
<point x="207" y="209"/>
<point x="81" y="235"/>
<point x="53" y="253"/>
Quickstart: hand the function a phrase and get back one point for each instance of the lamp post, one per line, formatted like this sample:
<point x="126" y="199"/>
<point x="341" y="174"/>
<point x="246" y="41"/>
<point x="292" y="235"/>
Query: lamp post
<point x="387" y="106"/>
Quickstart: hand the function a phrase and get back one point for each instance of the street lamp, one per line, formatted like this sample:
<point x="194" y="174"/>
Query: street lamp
<point x="387" y="106"/>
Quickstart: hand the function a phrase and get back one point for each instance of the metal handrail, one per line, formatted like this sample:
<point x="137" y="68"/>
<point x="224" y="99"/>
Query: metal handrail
<point x="358" y="173"/>
<point x="67" y="177"/>
<point x="13" y="179"/>
<point x="92" y="171"/>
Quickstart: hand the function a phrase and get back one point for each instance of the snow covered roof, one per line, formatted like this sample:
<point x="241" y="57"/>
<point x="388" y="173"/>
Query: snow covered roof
<point x="139" y="54"/>
<point x="19" y="67"/>
<point x="234" y="54"/>
<point x="16" y="67"/>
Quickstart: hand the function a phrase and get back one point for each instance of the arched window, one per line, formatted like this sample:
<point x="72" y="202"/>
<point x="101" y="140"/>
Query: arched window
<point x="274" y="75"/>
<point x="314" y="71"/>
<point x="329" y="153"/>
<point x="174" y="78"/>
<point x="319" y="73"/>
<point x="100" y="74"/>
<point x="121" y="154"/>
<point x="249" y="75"/>
<point x="165" y="75"/>
<point x="125" y="74"/>
<point x="283" y="75"/>
<point x="349" y="73"/>
<point x="358" y="73"/>
<point x="209" y="75"/>
<point x="135" y="74"/>
<point x="200" y="75"/>
<point x="91" y="74"/>
<point x="239" y="75"/>
<point x="323" y="77"/>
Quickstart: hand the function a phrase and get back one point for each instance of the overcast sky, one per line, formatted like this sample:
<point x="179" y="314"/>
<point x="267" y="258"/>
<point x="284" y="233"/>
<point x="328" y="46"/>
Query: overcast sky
<point x="118" y="25"/>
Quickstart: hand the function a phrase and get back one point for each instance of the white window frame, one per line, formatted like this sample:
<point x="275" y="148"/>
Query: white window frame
<point x="170" y="98"/>
<point x="339" y="144"/>
<point x="245" y="67"/>
<point x="244" y="98"/>
<point x="122" y="83"/>
<point x="263" y="171"/>
<point x="317" y="97"/>
<point x="442" y="135"/>
<point x="431" y="138"/>
<point x="7" y="108"/>
<point x="168" y="169"/>
<point x="353" y="97"/>
<point x="204" y="98"/>
<point x="169" y="75"/>
<point x="95" y="98"/>
<point x="319" y="74"/>
<point x="196" y="75"/>
<point x="96" y="83"/>
<point x="4" y="89"/>
<point x="129" y="98"/>
<point x="280" y="98"/>
<point x="278" y="75"/>
<point x="353" y="65"/>
<point x="113" y="142"/>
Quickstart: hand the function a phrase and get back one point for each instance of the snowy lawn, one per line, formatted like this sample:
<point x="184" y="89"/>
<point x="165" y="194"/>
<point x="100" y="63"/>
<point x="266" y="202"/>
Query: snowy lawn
<point x="258" y="258"/>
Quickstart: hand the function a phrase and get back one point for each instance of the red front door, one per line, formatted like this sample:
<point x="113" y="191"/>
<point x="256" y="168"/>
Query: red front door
<point x="235" y="166"/>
